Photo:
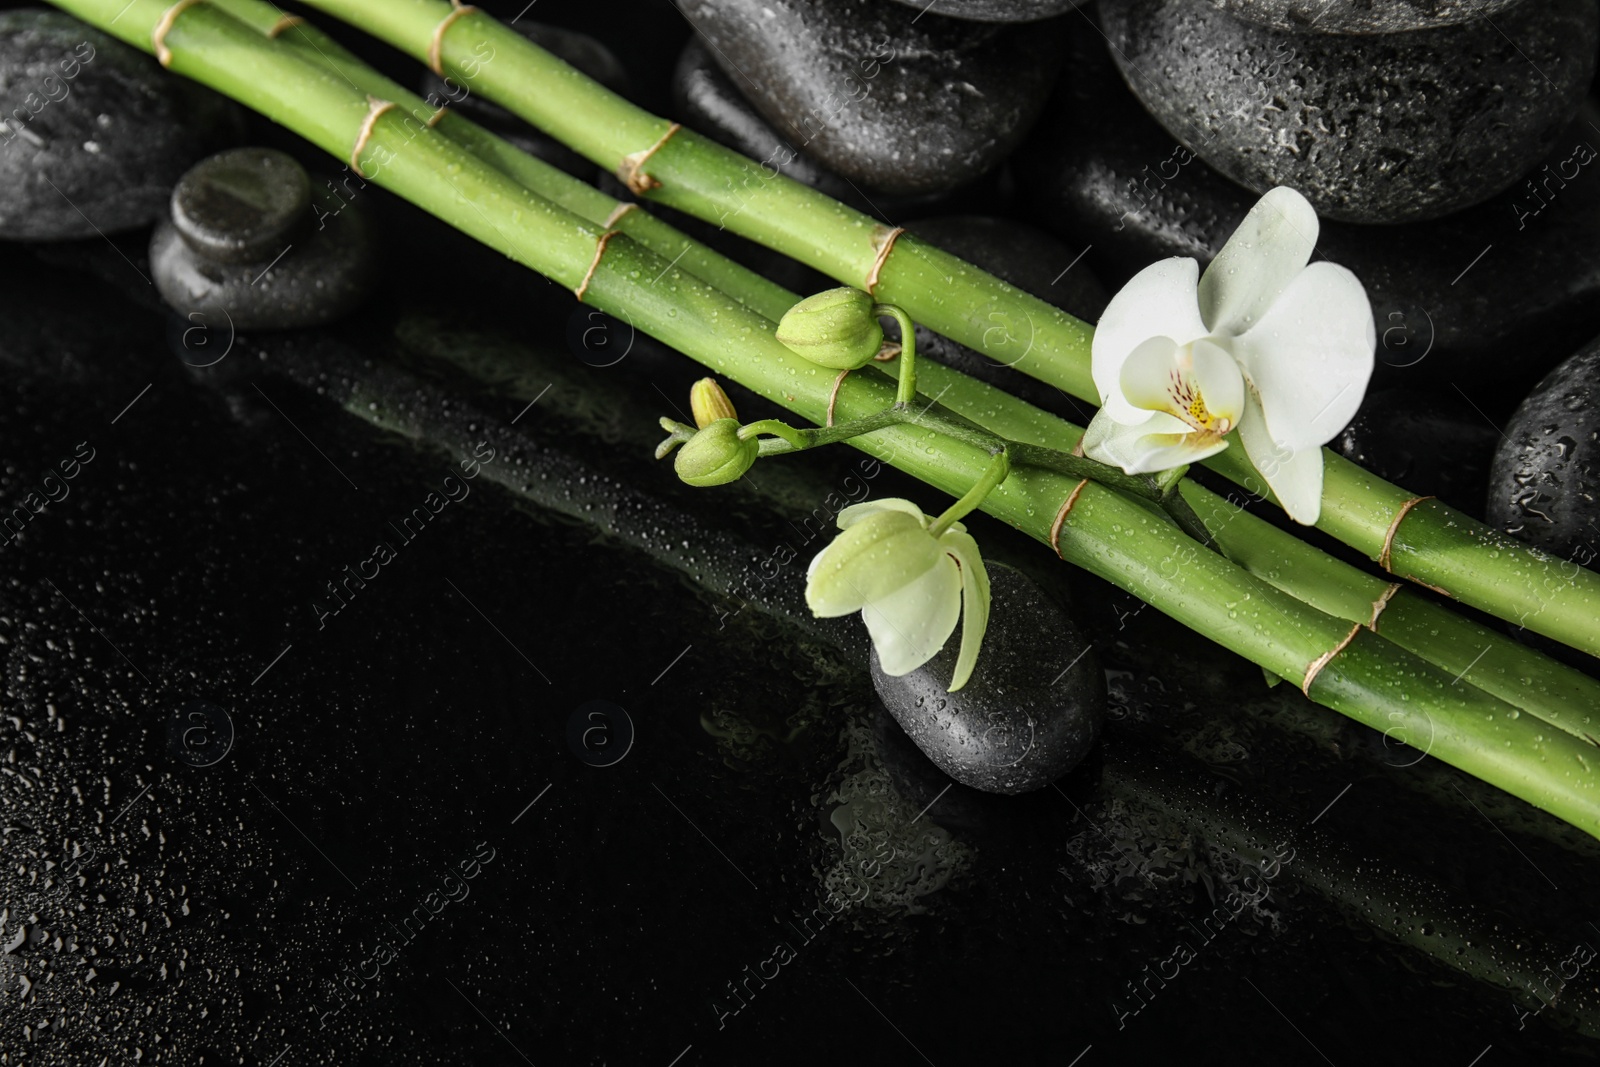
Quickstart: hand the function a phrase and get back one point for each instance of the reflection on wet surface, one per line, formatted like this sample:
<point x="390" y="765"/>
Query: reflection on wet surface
<point x="270" y="798"/>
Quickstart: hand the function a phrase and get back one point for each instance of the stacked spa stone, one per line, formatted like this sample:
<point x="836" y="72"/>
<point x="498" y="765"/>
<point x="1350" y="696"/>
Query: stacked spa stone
<point x="97" y="141"/>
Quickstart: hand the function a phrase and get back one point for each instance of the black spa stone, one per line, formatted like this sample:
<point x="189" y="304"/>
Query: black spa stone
<point x="93" y="133"/>
<point x="1490" y="298"/>
<point x="890" y="100"/>
<point x="1032" y="708"/>
<point x="252" y="243"/>
<point x="1363" y="16"/>
<point x="1544" y="486"/>
<point x="1394" y="128"/>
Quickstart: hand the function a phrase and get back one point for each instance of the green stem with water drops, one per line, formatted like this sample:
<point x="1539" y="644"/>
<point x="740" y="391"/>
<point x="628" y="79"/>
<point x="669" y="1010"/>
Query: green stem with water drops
<point x="993" y="475"/>
<point x="1109" y="534"/>
<point x="908" y="351"/>
<point x="1459" y="646"/>
<point x="1436" y="546"/>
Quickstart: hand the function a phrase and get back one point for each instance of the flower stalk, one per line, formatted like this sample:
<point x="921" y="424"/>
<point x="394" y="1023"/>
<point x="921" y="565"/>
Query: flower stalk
<point x="1435" y="545"/>
<point x="1407" y="616"/>
<point x="1111" y="535"/>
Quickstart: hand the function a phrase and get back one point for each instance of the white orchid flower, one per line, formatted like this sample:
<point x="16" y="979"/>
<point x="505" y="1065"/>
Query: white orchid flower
<point x="1261" y="343"/>
<point x="909" y="584"/>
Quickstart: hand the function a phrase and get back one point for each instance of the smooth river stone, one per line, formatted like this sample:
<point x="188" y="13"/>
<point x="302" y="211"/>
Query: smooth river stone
<point x="709" y="102"/>
<point x="890" y="100"/>
<point x="994" y="10"/>
<point x="1033" y="261"/>
<point x="1545" y="484"/>
<point x="1387" y="129"/>
<point x="1495" y="295"/>
<point x="252" y="243"/>
<point x="1362" y="16"/>
<point x="93" y="133"/>
<point x="1032" y="708"/>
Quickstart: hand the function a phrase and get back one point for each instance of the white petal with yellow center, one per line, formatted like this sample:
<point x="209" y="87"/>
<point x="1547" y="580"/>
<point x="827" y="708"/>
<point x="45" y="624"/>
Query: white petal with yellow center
<point x="1159" y="301"/>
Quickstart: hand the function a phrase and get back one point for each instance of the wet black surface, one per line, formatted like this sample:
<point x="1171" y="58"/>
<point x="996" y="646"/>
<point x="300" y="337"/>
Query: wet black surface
<point x="222" y="800"/>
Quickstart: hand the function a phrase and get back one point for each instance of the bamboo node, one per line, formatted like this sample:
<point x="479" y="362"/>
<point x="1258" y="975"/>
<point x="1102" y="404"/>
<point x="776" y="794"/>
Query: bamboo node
<point x="594" y="265"/>
<point x="436" y="46"/>
<point x="375" y="110"/>
<point x="158" y="38"/>
<point x="883" y="239"/>
<point x="617" y="213"/>
<point x="433" y="120"/>
<point x="833" y="397"/>
<point x="287" y="22"/>
<point x="889" y="351"/>
<point x="631" y="170"/>
<point x="1381" y="603"/>
<point x="1061" y="517"/>
<point x="1327" y="657"/>
<point x="1394" y="528"/>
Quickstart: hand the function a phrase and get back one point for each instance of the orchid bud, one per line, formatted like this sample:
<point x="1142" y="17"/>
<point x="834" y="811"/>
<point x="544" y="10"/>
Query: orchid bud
<point x="709" y="403"/>
<point x="835" y="329"/>
<point x="716" y="455"/>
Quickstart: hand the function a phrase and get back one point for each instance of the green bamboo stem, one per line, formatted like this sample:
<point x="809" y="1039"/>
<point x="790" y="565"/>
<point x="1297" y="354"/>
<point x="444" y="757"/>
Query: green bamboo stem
<point x="1109" y="534"/>
<point x="1436" y="546"/>
<point x="1534" y="683"/>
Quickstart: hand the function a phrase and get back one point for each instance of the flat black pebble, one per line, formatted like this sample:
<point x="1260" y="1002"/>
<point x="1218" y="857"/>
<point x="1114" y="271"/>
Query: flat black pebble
<point x="907" y="104"/>
<point x="243" y="205"/>
<point x="1032" y="708"/>
<point x="94" y="133"/>
<point x="1392" y="128"/>
<point x="251" y="242"/>
<point x="1544" y="486"/>
<point x="1363" y="16"/>
<point x="1453" y="298"/>
<point x="1033" y="261"/>
<point x="1432" y="444"/>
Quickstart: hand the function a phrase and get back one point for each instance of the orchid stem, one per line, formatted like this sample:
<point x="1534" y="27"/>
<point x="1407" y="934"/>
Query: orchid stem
<point x="908" y="351"/>
<point x="1356" y="671"/>
<point x="999" y="467"/>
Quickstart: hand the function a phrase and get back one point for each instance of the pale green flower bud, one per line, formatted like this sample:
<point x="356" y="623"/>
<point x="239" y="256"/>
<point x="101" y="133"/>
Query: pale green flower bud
<point x="835" y="329"/>
<point x="709" y="403"/>
<point x="716" y="455"/>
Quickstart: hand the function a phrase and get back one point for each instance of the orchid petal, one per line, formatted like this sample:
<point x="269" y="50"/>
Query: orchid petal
<point x="856" y="512"/>
<point x="910" y="625"/>
<point x="1159" y="301"/>
<point x="1310" y="356"/>
<point x="1268" y="250"/>
<point x="1160" y="444"/>
<point x="878" y="555"/>
<point x="1198" y="383"/>
<point x="974" y="602"/>
<point x="1294" y="477"/>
